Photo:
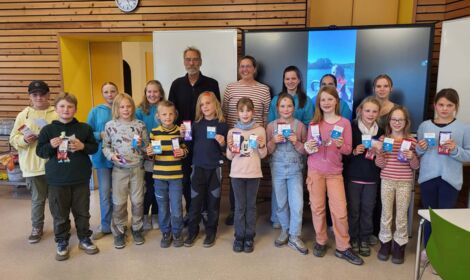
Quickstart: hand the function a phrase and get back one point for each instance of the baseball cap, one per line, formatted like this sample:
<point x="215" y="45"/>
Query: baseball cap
<point x="38" y="86"/>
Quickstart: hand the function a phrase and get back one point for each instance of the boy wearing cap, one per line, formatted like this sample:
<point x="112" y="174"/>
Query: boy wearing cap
<point x="23" y="138"/>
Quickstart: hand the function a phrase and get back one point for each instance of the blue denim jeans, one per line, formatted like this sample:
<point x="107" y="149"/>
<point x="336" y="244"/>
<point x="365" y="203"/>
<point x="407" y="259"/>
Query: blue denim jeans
<point x="106" y="203"/>
<point x="169" y="199"/>
<point x="288" y="186"/>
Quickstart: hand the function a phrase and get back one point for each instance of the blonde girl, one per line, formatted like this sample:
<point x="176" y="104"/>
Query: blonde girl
<point x="146" y="112"/>
<point x="329" y="138"/>
<point x="363" y="175"/>
<point x="208" y="135"/>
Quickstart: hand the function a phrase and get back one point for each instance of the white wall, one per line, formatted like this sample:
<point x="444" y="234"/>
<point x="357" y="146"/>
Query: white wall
<point x="454" y="62"/>
<point x="218" y="48"/>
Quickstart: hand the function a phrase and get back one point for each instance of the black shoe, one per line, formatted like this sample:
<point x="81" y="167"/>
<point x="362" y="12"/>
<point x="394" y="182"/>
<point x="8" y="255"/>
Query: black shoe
<point x="209" y="241"/>
<point x="364" y="249"/>
<point x="238" y="246"/>
<point x="138" y="237"/>
<point x="62" y="250"/>
<point x="384" y="251"/>
<point x="189" y="241"/>
<point x="178" y="240"/>
<point x="35" y="236"/>
<point x="398" y="253"/>
<point x="319" y="250"/>
<point x="120" y="241"/>
<point x="166" y="240"/>
<point x="355" y="246"/>
<point x="87" y="245"/>
<point x="229" y="219"/>
<point x="249" y="245"/>
<point x="350" y="256"/>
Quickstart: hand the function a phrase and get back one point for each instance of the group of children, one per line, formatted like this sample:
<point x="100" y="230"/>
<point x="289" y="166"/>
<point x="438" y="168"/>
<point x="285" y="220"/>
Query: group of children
<point x="369" y="158"/>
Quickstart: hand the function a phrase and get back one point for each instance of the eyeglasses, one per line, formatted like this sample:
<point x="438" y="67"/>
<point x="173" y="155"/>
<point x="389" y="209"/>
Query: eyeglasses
<point x="399" y="121"/>
<point x="194" y="59"/>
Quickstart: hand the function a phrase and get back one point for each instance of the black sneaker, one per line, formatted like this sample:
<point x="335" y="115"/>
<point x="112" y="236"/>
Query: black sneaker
<point x="350" y="256"/>
<point x="120" y="241"/>
<point x="373" y="240"/>
<point x="209" y="241"/>
<point x="229" y="219"/>
<point x="177" y="240"/>
<point x="238" y="246"/>
<point x="189" y="241"/>
<point x="166" y="240"/>
<point x="138" y="237"/>
<point x="355" y="246"/>
<point x="62" y="250"/>
<point x="364" y="249"/>
<point x="319" y="250"/>
<point x="249" y="246"/>
<point x="87" y="245"/>
<point x="35" y="236"/>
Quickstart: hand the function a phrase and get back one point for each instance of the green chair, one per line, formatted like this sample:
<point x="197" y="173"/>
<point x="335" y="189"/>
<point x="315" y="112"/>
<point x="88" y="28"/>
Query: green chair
<point x="448" y="249"/>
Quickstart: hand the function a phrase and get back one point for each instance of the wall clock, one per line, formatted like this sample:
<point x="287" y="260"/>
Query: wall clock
<point x="127" y="5"/>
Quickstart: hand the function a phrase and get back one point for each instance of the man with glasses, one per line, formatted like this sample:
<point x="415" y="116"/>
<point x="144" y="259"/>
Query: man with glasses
<point x="184" y="92"/>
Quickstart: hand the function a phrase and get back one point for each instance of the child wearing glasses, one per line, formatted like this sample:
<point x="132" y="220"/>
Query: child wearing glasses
<point x="398" y="160"/>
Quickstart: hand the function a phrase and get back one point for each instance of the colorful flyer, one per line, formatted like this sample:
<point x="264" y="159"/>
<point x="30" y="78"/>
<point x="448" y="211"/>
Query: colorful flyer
<point x="405" y="146"/>
<point x="388" y="145"/>
<point x="211" y="131"/>
<point x="187" y="131"/>
<point x="157" y="146"/>
<point x="252" y="141"/>
<point x="135" y="141"/>
<point x="315" y="131"/>
<point x="367" y="141"/>
<point x="443" y="137"/>
<point x="336" y="132"/>
<point x="284" y="130"/>
<point x="25" y="130"/>
<point x="237" y="137"/>
<point x="430" y="138"/>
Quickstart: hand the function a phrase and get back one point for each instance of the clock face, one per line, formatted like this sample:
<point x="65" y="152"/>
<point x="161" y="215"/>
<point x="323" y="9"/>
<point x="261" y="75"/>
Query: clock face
<point x="127" y="5"/>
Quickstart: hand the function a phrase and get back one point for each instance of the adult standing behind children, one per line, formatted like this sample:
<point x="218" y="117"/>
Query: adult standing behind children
<point x="23" y="138"/>
<point x="66" y="144"/>
<point x="184" y="92"/>
<point x="97" y="119"/>
<point x="383" y="85"/>
<point x="248" y="87"/>
<point x="147" y="112"/>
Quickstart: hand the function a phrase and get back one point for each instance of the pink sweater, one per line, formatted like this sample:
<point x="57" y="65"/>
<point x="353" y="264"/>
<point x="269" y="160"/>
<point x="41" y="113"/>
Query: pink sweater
<point x="329" y="159"/>
<point x="300" y="132"/>
<point x="247" y="163"/>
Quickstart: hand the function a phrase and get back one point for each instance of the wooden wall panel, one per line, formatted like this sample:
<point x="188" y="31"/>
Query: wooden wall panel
<point x="29" y="30"/>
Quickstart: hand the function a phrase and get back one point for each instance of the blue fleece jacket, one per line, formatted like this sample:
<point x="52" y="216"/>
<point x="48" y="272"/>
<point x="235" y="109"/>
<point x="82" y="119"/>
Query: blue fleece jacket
<point x="448" y="167"/>
<point x="304" y="114"/>
<point x="149" y="119"/>
<point x="97" y="119"/>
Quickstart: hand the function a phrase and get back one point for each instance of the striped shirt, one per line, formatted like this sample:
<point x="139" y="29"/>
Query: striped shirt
<point x="392" y="168"/>
<point x="166" y="166"/>
<point x="258" y="93"/>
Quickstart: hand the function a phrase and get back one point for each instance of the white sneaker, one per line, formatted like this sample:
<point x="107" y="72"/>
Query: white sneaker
<point x="155" y="224"/>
